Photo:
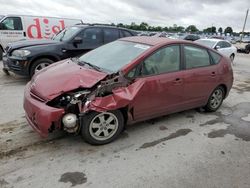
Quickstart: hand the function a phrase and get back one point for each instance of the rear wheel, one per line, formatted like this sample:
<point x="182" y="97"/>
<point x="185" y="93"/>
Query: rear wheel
<point x="39" y="65"/>
<point x="215" y="100"/>
<point x="102" y="128"/>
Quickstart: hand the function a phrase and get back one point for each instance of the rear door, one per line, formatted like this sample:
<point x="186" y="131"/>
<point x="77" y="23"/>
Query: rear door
<point x="200" y="76"/>
<point x="225" y="48"/>
<point x="162" y="90"/>
<point x="11" y="30"/>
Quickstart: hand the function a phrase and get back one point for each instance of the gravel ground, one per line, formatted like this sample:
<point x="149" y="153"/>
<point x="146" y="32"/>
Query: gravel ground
<point x="187" y="149"/>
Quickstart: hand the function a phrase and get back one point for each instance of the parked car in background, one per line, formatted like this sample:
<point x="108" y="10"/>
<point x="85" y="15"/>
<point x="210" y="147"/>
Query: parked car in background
<point x="20" y="27"/>
<point x="244" y="50"/>
<point x="222" y="46"/>
<point x="246" y="40"/>
<point x="191" y="37"/>
<point x="124" y="82"/>
<point x="30" y="56"/>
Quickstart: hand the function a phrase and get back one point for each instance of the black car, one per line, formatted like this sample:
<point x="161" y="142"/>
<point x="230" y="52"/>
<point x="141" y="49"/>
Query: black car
<point x="28" y="56"/>
<point x="191" y="37"/>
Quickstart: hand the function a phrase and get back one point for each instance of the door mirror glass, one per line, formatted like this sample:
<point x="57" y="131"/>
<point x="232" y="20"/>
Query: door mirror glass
<point x="77" y="40"/>
<point x="217" y="47"/>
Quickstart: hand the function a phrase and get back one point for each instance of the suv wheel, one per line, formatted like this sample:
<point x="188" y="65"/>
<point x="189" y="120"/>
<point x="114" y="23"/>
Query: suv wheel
<point x="39" y="65"/>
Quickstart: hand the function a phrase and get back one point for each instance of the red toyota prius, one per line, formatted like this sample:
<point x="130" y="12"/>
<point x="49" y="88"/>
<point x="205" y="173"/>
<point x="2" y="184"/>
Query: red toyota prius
<point x="126" y="81"/>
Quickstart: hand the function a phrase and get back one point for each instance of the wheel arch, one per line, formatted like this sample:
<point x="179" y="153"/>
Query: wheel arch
<point x="225" y="89"/>
<point x="50" y="57"/>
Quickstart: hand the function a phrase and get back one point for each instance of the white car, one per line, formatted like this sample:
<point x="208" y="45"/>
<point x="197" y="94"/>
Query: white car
<point x="222" y="46"/>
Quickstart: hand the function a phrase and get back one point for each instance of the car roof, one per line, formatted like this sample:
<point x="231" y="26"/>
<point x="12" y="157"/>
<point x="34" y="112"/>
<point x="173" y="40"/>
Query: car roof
<point x="152" y="41"/>
<point x="214" y="40"/>
<point x="98" y="25"/>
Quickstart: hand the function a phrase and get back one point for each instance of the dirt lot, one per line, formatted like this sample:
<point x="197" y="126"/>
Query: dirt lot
<point x="187" y="149"/>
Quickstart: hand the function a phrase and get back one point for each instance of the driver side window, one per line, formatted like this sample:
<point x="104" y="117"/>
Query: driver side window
<point x="164" y="60"/>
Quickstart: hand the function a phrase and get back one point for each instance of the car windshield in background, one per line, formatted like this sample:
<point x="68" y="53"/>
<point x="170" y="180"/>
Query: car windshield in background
<point x="66" y="34"/>
<point x="114" y="55"/>
<point x="208" y="43"/>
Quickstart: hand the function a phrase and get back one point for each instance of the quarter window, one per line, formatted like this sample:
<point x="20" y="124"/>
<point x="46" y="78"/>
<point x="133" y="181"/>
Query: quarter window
<point x="216" y="57"/>
<point x="126" y="33"/>
<point x="12" y="23"/>
<point x="196" y="57"/>
<point x="164" y="60"/>
<point x="110" y="35"/>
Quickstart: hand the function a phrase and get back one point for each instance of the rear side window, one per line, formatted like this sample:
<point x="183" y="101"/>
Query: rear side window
<point x="216" y="57"/>
<point x="196" y="57"/>
<point x="12" y="23"/>
<point x="126" y="33"/>
<point x="110" y="35"/>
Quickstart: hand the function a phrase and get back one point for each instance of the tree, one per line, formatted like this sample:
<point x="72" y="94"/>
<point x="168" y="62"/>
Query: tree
<point x="213" y="29"/>
<point x="220" y="30"/>
<point x="180" y="29"/>
<point x="143" y="26"/>
<point x="228" y="30"/>
<point x="191" y="28"/>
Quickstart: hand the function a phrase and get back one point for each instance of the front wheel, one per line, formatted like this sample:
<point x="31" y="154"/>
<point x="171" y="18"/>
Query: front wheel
<point x="232" y="57"/>
<point x="215" y="100"/>
<point x="102" y="128"/>
<point x="39" y="65"/>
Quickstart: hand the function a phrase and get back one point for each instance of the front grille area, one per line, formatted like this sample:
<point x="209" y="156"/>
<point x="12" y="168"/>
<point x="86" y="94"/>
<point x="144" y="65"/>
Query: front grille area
<point x="7" y="49"/>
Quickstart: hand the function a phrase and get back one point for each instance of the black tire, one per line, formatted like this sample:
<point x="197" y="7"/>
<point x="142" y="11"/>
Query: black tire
<point x="91" y="117"/>
<point x="1" y="54"/>
<point x="39" y="62"/>
<point x="232" y="57"/>
<point x="209" y="106"/>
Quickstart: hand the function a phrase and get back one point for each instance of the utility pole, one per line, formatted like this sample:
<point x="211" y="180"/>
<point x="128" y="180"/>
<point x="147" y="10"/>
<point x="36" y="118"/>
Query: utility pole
<point x="244" y="26"/>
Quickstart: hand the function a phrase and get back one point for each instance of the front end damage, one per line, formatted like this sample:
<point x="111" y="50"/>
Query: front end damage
<point x="112" y="93"/>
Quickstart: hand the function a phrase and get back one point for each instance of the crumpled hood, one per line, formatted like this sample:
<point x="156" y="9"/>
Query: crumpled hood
<point x="63" y="76"/>
<point x="28" y="43"/>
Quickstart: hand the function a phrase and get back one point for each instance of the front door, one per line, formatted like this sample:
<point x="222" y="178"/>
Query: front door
<point x="162" y="88"/>
<point x="11" y="30"/>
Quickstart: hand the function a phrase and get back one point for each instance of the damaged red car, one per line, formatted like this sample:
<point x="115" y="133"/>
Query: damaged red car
<point x="126" y="81"/>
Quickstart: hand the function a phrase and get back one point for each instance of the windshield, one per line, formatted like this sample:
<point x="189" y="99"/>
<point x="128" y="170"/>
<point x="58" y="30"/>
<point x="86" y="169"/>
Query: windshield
<point x="66" y="34"/>
<point x="114" y="55"/>
<point x="207" y="43"/>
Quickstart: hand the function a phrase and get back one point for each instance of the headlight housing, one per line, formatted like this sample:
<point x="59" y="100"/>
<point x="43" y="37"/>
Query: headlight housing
<point x="20" y="53"/>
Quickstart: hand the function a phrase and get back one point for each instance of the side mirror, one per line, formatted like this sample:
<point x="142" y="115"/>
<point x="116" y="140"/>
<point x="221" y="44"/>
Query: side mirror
<point x="77" y="40"/>
<point x="217" y="47"/>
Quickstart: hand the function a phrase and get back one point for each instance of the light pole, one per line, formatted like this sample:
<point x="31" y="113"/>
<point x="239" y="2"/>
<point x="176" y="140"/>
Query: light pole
<point x="244" y="26"/>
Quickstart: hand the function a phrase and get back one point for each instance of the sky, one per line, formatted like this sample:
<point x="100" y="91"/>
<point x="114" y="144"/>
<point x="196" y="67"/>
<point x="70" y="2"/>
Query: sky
<point x="202" y="13"/>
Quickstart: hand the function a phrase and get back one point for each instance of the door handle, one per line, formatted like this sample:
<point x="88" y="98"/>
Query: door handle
<point x="213" y="74"/>
<point x="24" y="34"/>
<point x="177" y="81"/>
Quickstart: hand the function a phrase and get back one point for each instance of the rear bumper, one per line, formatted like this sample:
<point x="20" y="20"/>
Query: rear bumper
<point x="41" y="117"/>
